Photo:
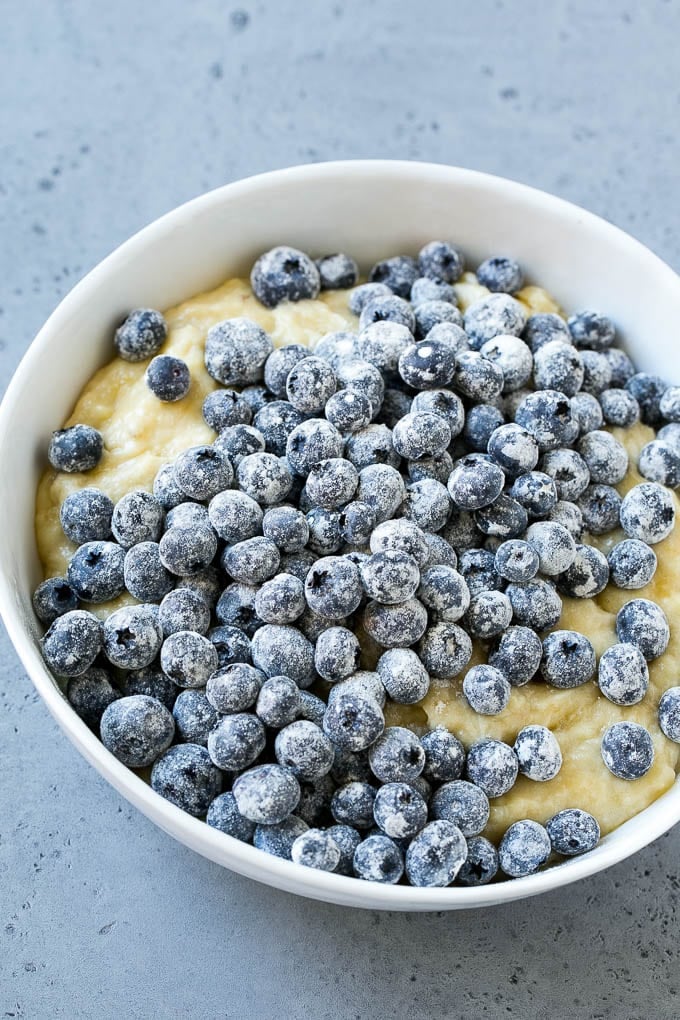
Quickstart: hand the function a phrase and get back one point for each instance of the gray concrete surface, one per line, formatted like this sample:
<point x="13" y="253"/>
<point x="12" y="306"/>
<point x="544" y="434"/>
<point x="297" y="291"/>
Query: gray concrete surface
<point x="110" y="115"/>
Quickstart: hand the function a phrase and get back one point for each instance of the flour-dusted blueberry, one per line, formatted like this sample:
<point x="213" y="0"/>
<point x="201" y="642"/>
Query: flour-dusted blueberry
<point x="224" y="408"/>
<point x="137" y="517"/>
<point x="481" y="421"/>
<point x="403" y="675"/>
<point x="398" y="273"/>
<point x="517" y="561"/>
<point x="627" y="750"/>
<point x="278" y="839"/>
<point x="648" y="390"/>
<point x="188" y="513"/>
<point x="592" y="329"/>
<point x="524" y="848"/>
<point x="331" y="483"/>
<point x="279" y="702"/>
<point x="660" y="462"/>
<point x="364" y="682"/>
<point x="264" y="477"/>
<point x="605" y="457"/>
<point x="396" y="403"/>
<point x="309" y="443"/>
<point x="256" y="396"/>
<point x="349" y="411"/>
<point x="476" y="377"/>
<point x="361" y="295"/>
<point x="480" y="865"/>
<point x="513" y="357"/>
<point x="558" y="366"/>
<point x="426" y="289"/>
<point x="444" y="755"/>
<point x="632" y="563"/>
<point x="280" y="600"/>
<point x="445" y="650"/>
<point x="476" y="481"/>
<point x="284" y="274"/>
<point x="310" y="383"/>
<point x="72" y="643"/>
<point x="183" y="609"/>
<point x="145" y="575"/>
<point x="353" y="721"/>
<point x="383" y="488"/>
<point x="643" y="623"/>
<point x="287" y="527"/>
<point x="517" y="654"/>
<point x="536" y="492"/>
<point x="188" y="658"/>
<point x="336" y="654"/>
<point x="95" y="571"/>
<point x="298" y="563"/>
<point x="352" y="804"/>
<point x="236" y="608"/>
<point x="492" y="766"/>
<point x="573" y="831"/>
<point x="538" y="753"/>
<point x="623" y="675"/>
<point x="234" y="687"/>
<point x="168" y="378"/>
<point x="440" y="260"/>
<point x="266" y="794"/>
<point x="543" y="328"/>
<point x="206" y="582"/>
<point x="235" y="516"/>
<point x="223" y="814"/>
<point x="554" y="545"/>
<point x="478" y="567"/>
<point x="669" y="713"/>
<point x="586" y="576"/>
<point x="141" y="334"/>
<point x="378" y="859"/>
<point x="492" y="316"/>
<point x="277" y="367"/>
<point x="357" y="521"/>
<point x="90" y="694"/>
<point x="486" y="690"/>
<point x="85" y="515"/>
<point x="151" y="681"/>
<point x="382" y="344"/>
<point x="333" y="587"/>
<point x="347" y="839"/>
<point x="504" y="518"/>
<point x="535" y="604"/>
<point x="275" y="422"/>
<point x="399" y="810"/>
<point x="585" y="407"/>
<point x="305" y="749"/>
<point x="619" y="407"/>
<point x="236" y="350"/>
<point x="186" y="777"/>
<point x="438" y="468"/>
<point x="597" y="373"/>
<point x="647" y="513"/>
<point x="436" y="855"/>
<point x="370" y="446"/>
<point x="137" y="730"/>
<point x="283" y="651"/>
<point x="513" y="448"/>
<point x="361" y="376"/>
<point x="53" y="598"/>
<point x="316" y="849"/>
<point x="427" y="365"/>
<point x="166" y="491"/>
<point x="397" y="756"/>
<point x="395" y="626"/>
<point x="427" y="505"/>
<point x="203" y="471"/>
<point x="569" y="471"/>
<point x="311" y="708"/>
<point x="194" y="717"/>
<point x="621" y="366"/>
<point x="600" y="507"/>
<point x="444" y="591"/>
<point x="445" y="403"/>
<point x="77" y="448"/>
<point x="132" y="636"/>
<point x="488" y="615"/>
<point x="432" y="313"/>
<point x="187" y="549"/>
<point x="231" y="644"/>
<point x="400" y="536"/>
<point x="669" y="405"/>
<point x="568" y="515"/>
<point x="500" y="274"/>
<point x="337" y="272"/>
<point x="568" y="659"/>
<point x="236" y="741"/>
<point x="463" y="804"/>
<point x="388" y="308"/>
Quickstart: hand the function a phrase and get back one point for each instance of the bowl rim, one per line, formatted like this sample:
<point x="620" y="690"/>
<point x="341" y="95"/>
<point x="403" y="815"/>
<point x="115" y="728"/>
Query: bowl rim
<point x="243" y="858"/>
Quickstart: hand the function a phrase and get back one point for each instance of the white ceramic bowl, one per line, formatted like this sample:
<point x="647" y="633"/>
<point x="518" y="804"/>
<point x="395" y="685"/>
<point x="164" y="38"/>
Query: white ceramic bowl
<point x="371" y="209"/>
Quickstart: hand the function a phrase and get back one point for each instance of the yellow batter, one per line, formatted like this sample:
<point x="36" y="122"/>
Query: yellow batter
<point x="141" y="433"/>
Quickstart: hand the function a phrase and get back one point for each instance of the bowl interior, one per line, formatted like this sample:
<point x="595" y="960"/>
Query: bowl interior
<point x="370" y="209"/>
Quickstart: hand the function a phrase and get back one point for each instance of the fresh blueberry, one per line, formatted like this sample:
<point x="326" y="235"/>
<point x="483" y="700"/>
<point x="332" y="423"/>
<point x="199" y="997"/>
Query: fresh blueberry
<point x="481" y="863"/>
<point x="585" y="407"/>
<point x="538" y="753"/>
<point x="486" y="690"/>
<point x="305" y="749"/>
<point x="315" y="848"/>
<point x="478" y="567"/>
<point x="476" y="481"/>
<point x="504" y="518"/>
<point x="622" y="367"/>
<point x="224" y="408"/>
<point x="96" y="571"/>
<point x="352" y="804"/>
<point x="223" y="814"/>
<point x="568" y="515"/>
<point x="426" y="288"/>
<point x="644" y="624"/>
<point x="382" y="344"/>
<point x="500" y="274"/>
<point x="256" y="396"/>
<point x="669" y="713"/>
<point x="398" y="273"/>
<point x="439" y="260"/>
<point x="372" y="445"/>
<point x="524" y="847"/>
<point x="477" y="378"/>
<point x="463" y="804"/>
<point x="278" y="839"/>
<point x="187" y="549"/>
<point x="543" y="328"/>
<point x="444" y="755"/>
<point x="516" y="561"/>
<point x="141" y="334"/>
<point x="337" y="272"/>
<point x="513" y="357"/>
<point x="347" y="840"/>
<point x="587" y="575"/>
<point x="361" y="376"/>
<point x="239" y="441"/>
<point x="436" y="854"/>
<point x="619" y="407"/>
<point x="236" y="608"/>
<point x="395" y="626"/>
<point x="279" y="365"/>
<point x="186" y="777"/>
<point x="597" y="373"/>
<point x="383" y="489"/>
<point x="388" y="308"/>
<point x="592" y="330"/>
<point x="547" y="415"/>
<point x="627" y="750"/>
<point x="194" y="717"/>
<point x="310" y="384"/>
<point x="481" y="422"/>
<point x="72" y="643"/>
<point x="151" y="681"/>
<point x="311" y="708"/>
<point x="236" y="741"/>
<point x="647" y="513"/>
<point x="623" y="676"/>
<point x="132" y="636"/>
<point x="492" y="316"/>
<point x="660" y="462"/>
<point x="632" y="563"/>
<point x="399" y="810"/>
<point x="145" y="574"/>
<point x="283" y="651"/>
<point x="558" y="366"/>
<point x="234" y="687"/>
<point x="536" y="492"/>
<point x="85" y="515"/>
<point x="573" y="831"/>
<point x="168" y="378"/>
<point x="378" y="859"/>
<point x="568" y="659"/>
<point x="349" y="410"/>
<point x="267" y="794"/>
<point x="236" y="350"/>
<point x="569" y="471"/>
<point x="90" y="694"/>
<point x="137" y="730"/>
<point x="513" y="448"/>
<point x="605" y="457"/>
<point x="280" y="600"/>
<point x="275" y="422"/>
<point x="600" y="507"/>
<point x="554" y="546"/>
<point x="648" y="390"/>
<point x="166" y="491"/>
<point x="137" y="517"/>
<point x="492" y="766"/>
<point x="53" y="598"/>
<point x="309" y="443"/>
<point x="203" y="471"/>
<point x="489" y="614"/>
<point x="365" y="683"/>
<point x="445" y="650"/>
<point x="353" y="721"/>
<point x="278" y="702"/>
<point x="235" y="516"/>
<point x="444" y="591"/>
<point x="78" y="448"/>
<point x="669" y="405"/>
<point x="284" y="274"/>
<point x="397" y="756"/>
<point x="183" y="609"/>
<point x="517" y="654"/>
<point x="361" y="295"/>
<point x="432" y="313"/>
<point x="253" y="561"/>
<point x="188" y="658"/>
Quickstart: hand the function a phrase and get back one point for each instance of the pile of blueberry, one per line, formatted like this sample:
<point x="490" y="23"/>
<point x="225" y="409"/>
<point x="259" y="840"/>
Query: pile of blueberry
<point x="366" y="511"/>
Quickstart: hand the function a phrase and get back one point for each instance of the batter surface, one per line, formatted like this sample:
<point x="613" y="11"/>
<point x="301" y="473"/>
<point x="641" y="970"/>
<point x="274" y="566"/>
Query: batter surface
<point x="141" y="433"/>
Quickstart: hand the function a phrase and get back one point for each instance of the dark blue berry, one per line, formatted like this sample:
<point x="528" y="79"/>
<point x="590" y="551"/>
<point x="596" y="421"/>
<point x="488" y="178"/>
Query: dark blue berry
<point x="587" y="575"/>
<point x="643" y="623"/>
<point x="439" y="260"/>
<point x="463" y="804"/>
<point x="600" y="506"/>
<point x="85" y="515"/>
<point x="137" y="517"/>
<point x="78" y="448"/>
<point x="648" y="390"/>
<point x="544" y="327"/>
<point x="53" y="598"/>
<point x="492" y="316"/>
<point x="141" y="334"/>
<point x="399" y="273"/>
<point x="538" y="753"/>
<point x="632" y="563"/>
<point x="236" y="741"/>
<point x="96" y="571"/>
<point x="436" y="854"/>
<point x="72" y="643"/>
<point x="305" y="749"/>
<point x="568" y="659"/>
<point x="647" y="513"/>
<point x="187" y="549"/>
<point x="481" y="863"/>
<point x="592" y="330"/>
<point x="399" y="810"/>
<point x="203" y="471"/>
<point x="223" y="408"/>
<point x="267" y="794"/>
<point x="188" y="658"/>
<point x="492" y="766"/>
<point x="283" y="651"/>
<point x="90" y="694"/>
<point x="517" y="654"/>
<point x="151" y="681"/>
<point x="669" y="713"/>
<point x="523" y="849"/>
<point x="194" y="717"/>
<point x="132" y="636"/>
<point x="426" y="288"/>
<point x="145" y="575"/>
<point x="573" y="831"/>
<point x="223" y="814"/>
<point x="168" y="378"/>
<point x="236" y="350"/>
<point x="137" y="729"/>
<point x="284" y="274"/>
<point x="623" y="676"/>
<point x="660" y="462"/>
<point x="476" y="481"/>
<point x="186" y="777"/>
<point x="279" y="702"/>
<point x="337" y="272"/>
<point x="627" y="750"/>
<point x="278" y="839"/>
<point x="500" y="274"/>
<point x="387" y="308"/>
<point x="378" y="859"/>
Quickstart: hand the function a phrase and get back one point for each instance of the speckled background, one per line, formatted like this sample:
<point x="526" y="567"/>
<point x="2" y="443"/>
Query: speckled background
<point x="112" y="114"/>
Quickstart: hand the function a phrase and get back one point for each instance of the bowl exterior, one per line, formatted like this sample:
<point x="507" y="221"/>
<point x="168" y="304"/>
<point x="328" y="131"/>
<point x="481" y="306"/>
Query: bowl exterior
<point x="371" y="209"/>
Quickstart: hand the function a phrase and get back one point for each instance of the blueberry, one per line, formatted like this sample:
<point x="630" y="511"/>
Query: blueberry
<point x="619" y="407"/>
<point x="573" y="832"/>
<point x="382" y="344"/>
<point x="395" y="626"/>
<point x="600" y="506"/>
<point x="235" y="516"/>
<point x="481" y="863"/>
<point x="524" y="847"/>
<point x="234" y="687"/>
<point x="356" y="522"/>
<point x="353" y="721"/>
<point x="543" y="328"/>
<point x="547" y="415"/>
<point x="554" y="545"/>
<point x="388" y="308"/>
<point x="486" y="690"/>
<point x="223" y="814"/>
<point x="333" y="587"/>
<point x="378" y="859"/>
<point x="644" y="624"/>
<point x="587" y="575"/>
<point x="480" y="424"/>
<point x="316" y="849"/>
<point x="361" y="376"/>
<point x="558" y="366"/>
<point x="627" y="750"/>
<point x="597" y="373"/>
<point x="346" y="839"/>
<point x="621" y="366"/>
<point x="513" y="448"/>
<point x="137" y="517"/>
<point x="427" y="505"/>
<point x="280" y="364"/>
<point x="476" y="377"/>
<point x="278" y="702"/>
<point x="592" y="329"/>
<point x="309" y="443"/>
<point x="151" y="681"/>
<point x="187" y="549"/>
<point x="256" y="397"/>
<point x="239" y="441"/>
<point x="52" y="598"/>
<point x="365" y="683"/>
<point x="264" y="477"/>
<point x="236" y="350"/>
<point x="284" y="274"/>
<point x="275" y="422"/>
<point x="137" y="730"/>
<point x="311" y="708"/>
<point x="85" y="515"/>
<point x="311" y="382"/>
<point x="96" y="571"/>
<point x="517" y="654"/>
<point x="427" y="365"/>
<point x="623" y="676"/>
<point x="331" y="483"/>
<point x="585" y="407"/>
<point x="444" y="755"/>
<point x="325" y="535"/>
<point x="568" y="659"/>
<point x="372" y="445"/>
<point x="429" y="314"/>
<point x="536" y="492"/>
<point x="669" y="713"/>
<point x="283" y="651"/>
<point x="398" y="273"/>
<point x="568" y="515"/>
<point x="399" y="810"/>
<point x="253" y="561"/>
<point x="569" y="471"/>
<point x="349" y="411"/>
<point x="280" y="600"/>
<point x="194" y="717"/>
<point x="463" y="804"/>
<point x="426" y="288"/>
<point x="361" y="295"/>
<point x="516" y="561"/>
<point x="660" y="462"/>
<point x="478" y="567"/>
<point x="132" y="636"/>
<point x="337" y="272"/>
<point x="286" y="527"/>
<point x="77" y="448"/>
<point x="669" y="405"/>
<point x="492" y="316"/>
<point x="538" y="753"/>
<point x="445" y="650"/>
<point x="648" y="390"/>
<point x="492" y="766"/>
<point x="647" y="513"/>
<point x="90" y="694"/>
<point x="488" y="615"/>
<point x="188" y="658"/>
<point x="513" y="357"/>
<point x="504" y="518"/>
<point x="437" y="468"/>
<point x="383" y="488"/>
<point x="352" y="804"/>
<point x="305" y="749"/>
<point x="397" y="756"/>
<point x="168" y="378"/>
<point x="632" y="563"/>
<point x="145" y="575"/>
<point x="444" y="591"/>
<point x="337" y="653"/>
<point x="278" y="839"/>
<point x="439" y="260"/>
<point x="183" y="609"/>
<point x="500" y="274"/>
<point x="403" y="675"/>
<point x="166" y="491"/>
<point x="141" y="334"/>
<point x="450" y="335"/>
<point x="236" y="741"/>
<point x="236" y="608"/>
<point x="186" y="777"/>
<point x="605" y="457"/>
<point x="400" y="536"/>
<point x="476" y="481"/>
<point x="436" y="854"/>
<point x="267" y="794"/>
<point x="203" y="471"/>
